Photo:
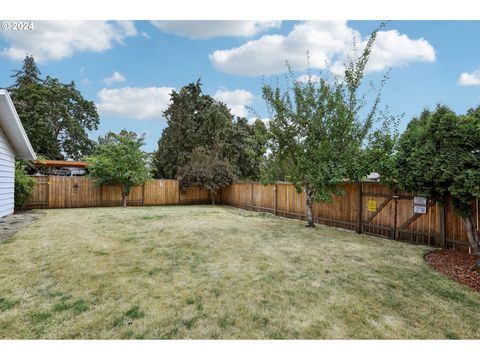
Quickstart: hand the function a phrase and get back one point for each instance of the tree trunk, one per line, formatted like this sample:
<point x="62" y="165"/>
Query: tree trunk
<point x="124" y="200"/>
<point x="309" y="206"/>
<point x="472" y="233"/>
<point x="212" y="195"/>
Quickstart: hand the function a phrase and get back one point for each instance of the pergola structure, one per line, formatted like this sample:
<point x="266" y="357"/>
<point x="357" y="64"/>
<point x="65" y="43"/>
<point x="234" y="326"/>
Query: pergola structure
<point x="61" y="163"/>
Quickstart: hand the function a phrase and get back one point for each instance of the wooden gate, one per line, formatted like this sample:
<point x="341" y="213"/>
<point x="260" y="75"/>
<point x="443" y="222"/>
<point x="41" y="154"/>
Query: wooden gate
<point x="391" y="216"/>
<point x="39" y="197"/>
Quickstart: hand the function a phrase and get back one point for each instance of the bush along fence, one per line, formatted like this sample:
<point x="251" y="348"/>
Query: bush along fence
<point x="367" y="207"/>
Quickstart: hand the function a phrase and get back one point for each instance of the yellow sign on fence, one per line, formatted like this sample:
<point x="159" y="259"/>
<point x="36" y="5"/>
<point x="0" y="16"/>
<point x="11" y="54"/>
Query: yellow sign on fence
<point x="372" y="205"/>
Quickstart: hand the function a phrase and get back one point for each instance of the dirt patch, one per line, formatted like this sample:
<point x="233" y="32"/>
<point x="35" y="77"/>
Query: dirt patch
<point x="11" y="224"/>
<point x="457" y="265"/>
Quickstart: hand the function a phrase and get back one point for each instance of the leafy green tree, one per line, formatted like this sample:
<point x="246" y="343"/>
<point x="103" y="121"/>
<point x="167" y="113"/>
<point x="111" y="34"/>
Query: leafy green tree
<point x="193" y="120"/>
<point x="55" y="116"/>
<point x="438" y="155"/>
<point x="206" y="169"/>
<point x="320" y="130"/>
<point x="119" y="160"/>
<point x="24" y="184"/>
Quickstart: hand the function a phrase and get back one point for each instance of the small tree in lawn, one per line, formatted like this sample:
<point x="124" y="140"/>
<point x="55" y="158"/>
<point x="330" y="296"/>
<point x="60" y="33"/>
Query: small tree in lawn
<point x="320" y="131"/>
<point x="119" y="160"/>
<point x="438" y="155"/>
<point x="206" y="169"/>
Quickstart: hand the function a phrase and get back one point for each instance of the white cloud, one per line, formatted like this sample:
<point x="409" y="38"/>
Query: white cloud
<point x="55" y="40"/>
<point x="470" y="79"/>
<point x="128" y="27"/>
<point x="134" y="102"/>
<point x="115" y="78"/>
<point x="267" y="55"/>
<point x="204" y="29"/>
<point x="236" y="100"/>
<point x="326" y="42"/>
<point x="394" y="49"/>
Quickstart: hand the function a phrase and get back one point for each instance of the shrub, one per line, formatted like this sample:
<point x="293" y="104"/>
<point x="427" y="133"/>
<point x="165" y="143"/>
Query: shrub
<point x="23" y="185"/>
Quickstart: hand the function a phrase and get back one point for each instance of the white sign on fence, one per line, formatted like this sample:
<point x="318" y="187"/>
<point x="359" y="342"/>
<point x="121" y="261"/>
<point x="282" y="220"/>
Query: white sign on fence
<point x="419" y="209"/>
<point x="420" y="200"/>
<point x="419" y="205"/>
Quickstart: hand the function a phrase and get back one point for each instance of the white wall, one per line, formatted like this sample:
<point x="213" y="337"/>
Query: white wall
<point x="7" y="175"/>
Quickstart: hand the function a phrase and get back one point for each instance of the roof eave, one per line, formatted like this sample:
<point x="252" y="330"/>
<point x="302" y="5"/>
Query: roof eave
<point x="13" y="128"/>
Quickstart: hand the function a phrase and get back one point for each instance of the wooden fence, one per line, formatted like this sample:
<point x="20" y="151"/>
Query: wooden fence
<point x="56" y="192"/>
<point x="390" y="216"/>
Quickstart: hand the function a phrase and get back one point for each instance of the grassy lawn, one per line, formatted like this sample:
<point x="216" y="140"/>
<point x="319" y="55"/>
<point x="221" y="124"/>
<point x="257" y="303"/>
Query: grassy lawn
<point x="218" y="272"/>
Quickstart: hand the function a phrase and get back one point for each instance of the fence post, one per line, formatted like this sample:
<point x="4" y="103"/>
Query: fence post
<point x="359" y="207"/>
<point x="395" y="215"/>
<point x="443" y="226"/>
<point x="275" y="199"/>
<point x="251" y="195"/>
<point x="48" y="192"/>
<point x="179" y="195"/>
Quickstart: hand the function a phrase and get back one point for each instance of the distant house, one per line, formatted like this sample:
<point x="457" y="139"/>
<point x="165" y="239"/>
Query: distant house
<point x="14" y="143"/>
<point x="374" y="176"/>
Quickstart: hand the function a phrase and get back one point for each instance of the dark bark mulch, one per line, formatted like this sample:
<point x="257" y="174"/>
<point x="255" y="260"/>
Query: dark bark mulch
<point x="457" y="265"/>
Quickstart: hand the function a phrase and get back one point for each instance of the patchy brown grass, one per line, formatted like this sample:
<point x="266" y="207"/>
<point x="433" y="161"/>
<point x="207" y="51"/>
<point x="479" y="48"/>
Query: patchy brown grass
<point x="217" y="272"/>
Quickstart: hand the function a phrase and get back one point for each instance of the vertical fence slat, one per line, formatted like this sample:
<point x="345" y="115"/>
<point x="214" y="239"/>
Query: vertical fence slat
<point x="359" y="207"/>
<point x="442" y="219"/>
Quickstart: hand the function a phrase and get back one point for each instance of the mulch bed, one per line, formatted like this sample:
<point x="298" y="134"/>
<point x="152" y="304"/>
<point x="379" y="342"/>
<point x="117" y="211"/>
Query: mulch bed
<point x="456" y="265"/>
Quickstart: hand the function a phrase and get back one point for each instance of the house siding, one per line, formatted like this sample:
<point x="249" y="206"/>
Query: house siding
<point x="7" y="175"/>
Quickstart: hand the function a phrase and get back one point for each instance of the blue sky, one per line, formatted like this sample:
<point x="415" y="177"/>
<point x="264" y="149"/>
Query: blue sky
<point x="427" y="60"/>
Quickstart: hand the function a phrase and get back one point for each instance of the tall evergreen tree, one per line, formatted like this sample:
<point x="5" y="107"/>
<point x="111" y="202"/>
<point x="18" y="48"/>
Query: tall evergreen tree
<point x="193" y="120"/>
<point x="250" y="147"/>
<point x="196" y="120"/>
<point x="28" y="74"/>
<point x="439" y="155"/>
<point x="55" y="116"/>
